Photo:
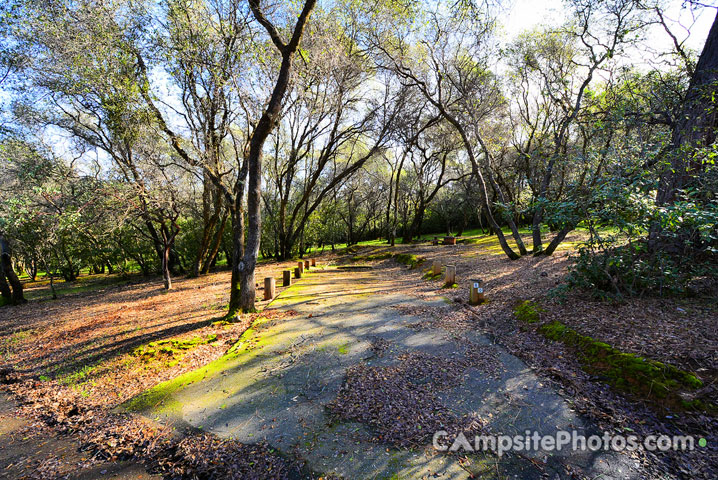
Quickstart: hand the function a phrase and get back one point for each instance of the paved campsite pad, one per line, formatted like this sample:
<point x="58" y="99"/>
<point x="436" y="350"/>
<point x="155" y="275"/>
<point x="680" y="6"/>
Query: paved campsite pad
<point x="276" y="384"/>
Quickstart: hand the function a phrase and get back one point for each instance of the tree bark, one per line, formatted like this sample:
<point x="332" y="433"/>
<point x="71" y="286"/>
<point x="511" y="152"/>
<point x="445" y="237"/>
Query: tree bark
<point x="7" y="270"/>
<point x="5" y="291"/>
<point x="267" y="122"/>
<point x="696" y="125"/>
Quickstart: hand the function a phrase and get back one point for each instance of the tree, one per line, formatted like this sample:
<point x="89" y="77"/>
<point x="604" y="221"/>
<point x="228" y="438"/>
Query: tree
<point x="453" y="77"/>
<point x="695" y="127"/>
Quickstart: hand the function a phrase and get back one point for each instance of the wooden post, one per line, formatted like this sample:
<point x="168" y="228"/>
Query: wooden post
<point x="450" y="275"/>
<point x="436" y="268"/>
<point x="297" y="272"/>
<point x="269" y="285"/>
<point x="306" y="264"/>
<point x="287" y="278"/>
<point x="300" y="265"/>
<point x="314" y="262"/>
<point x="477" y="293"/>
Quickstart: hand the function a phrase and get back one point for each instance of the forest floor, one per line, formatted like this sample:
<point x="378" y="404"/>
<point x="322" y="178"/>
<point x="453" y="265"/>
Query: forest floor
<point x="70" y="363"/>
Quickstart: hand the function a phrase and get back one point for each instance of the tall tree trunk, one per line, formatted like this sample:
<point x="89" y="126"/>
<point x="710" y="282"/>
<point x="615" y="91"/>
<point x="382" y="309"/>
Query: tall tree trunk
<point x="5" y="291"/>
<point x="166" y="276"/>
<point x="264" y="127"/>
<point x="214" y="249"/>
<point x="237" y="255"/>
<point x="696" y="125"/>
<point x="7" y="270"/>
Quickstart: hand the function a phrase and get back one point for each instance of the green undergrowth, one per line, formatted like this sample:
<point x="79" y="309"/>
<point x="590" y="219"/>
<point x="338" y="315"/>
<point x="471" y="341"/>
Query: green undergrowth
<point x="527" y="311"/>
<point x="453" y="285"/>
<point x="649" y="379"/>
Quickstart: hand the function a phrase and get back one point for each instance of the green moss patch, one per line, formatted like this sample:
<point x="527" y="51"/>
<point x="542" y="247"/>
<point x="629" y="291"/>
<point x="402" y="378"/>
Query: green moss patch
<point x="527" y="311"/>
<point x="373" y="257"/>
<point x="160" y="396"/>
<point x="170" y="349"/>
<point x="408" y="259"/>
<point x="640" y="376"/>
<point x="429" y="275"/>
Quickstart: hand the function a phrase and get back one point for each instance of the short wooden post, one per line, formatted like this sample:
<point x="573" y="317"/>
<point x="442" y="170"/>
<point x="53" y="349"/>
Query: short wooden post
<point x="269" y="286"/>
<point x="314" y="262"/>
<point x="436" y="268"/>
<point x="286" y="278"/>
<point x="477" y="293"/>
<point x="300" y="265"/>
<point x="297" y="272"/>
<point x="306" y="264"/>
<point x="450" y="275"/>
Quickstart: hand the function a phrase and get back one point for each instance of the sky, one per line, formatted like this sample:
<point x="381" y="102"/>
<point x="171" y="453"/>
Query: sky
<point x="526" y="14"/>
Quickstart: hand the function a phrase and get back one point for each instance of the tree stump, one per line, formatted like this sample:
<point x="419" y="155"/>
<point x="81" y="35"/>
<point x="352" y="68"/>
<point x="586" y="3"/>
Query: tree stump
<point x="287" y="278"/>
<point x="436" y="268"/>
<point x="269" y="287"/>
<point x="477" y="293"/>
<point x="449" y="240"/>
<point x="297" y="272"/>
<point x="450" y="275"/>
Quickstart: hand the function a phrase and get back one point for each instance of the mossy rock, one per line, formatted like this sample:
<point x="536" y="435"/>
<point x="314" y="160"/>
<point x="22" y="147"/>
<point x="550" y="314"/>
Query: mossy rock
<point x="646" y="378"/>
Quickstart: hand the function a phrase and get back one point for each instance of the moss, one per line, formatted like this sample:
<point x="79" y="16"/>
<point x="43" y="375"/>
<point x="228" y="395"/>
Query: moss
<point x="160" y="396"/>
<point x="343" y="349"/>
<point x="373" y="257"/>
<point x="453" y="285"/>
<point x="169" y="349"/>
<point x="408" y="259"/>
<point x="350" y="250"/>
<point x="429" y="275"/>
<point x="527" y="311"/>
<point x="647" y="378"/>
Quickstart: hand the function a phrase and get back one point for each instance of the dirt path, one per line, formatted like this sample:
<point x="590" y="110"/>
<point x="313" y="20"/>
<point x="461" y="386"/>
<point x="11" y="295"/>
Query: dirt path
<point x="283" y="382"/>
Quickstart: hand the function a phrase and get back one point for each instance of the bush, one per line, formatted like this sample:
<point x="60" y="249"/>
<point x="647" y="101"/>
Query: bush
<point x="637" y="248"/>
